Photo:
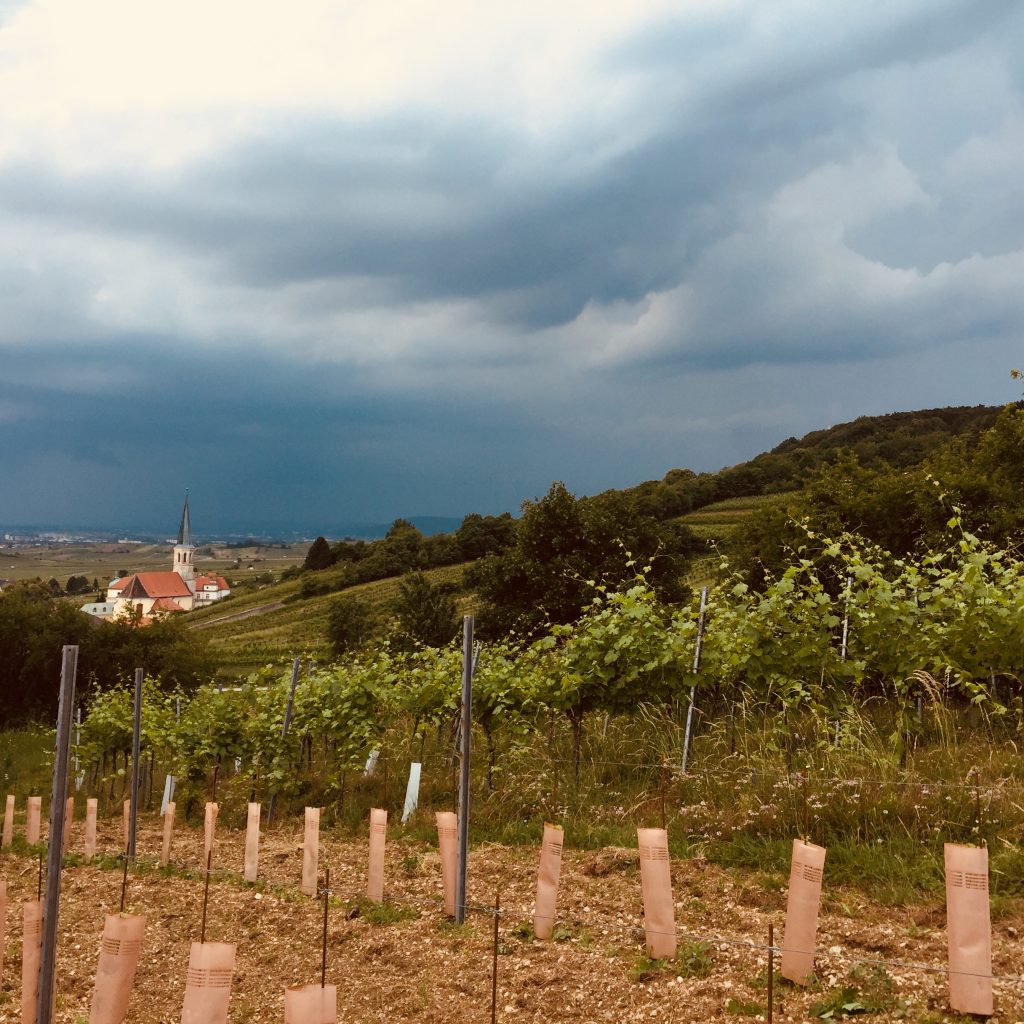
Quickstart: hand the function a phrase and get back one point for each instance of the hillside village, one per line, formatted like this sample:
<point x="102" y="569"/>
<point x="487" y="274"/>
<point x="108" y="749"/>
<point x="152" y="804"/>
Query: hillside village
<point x="152" y="595"/>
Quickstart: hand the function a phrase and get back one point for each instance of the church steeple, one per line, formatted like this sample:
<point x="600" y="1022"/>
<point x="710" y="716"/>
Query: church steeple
<point x="184" y="549"/>
<point x="185" y="530"/>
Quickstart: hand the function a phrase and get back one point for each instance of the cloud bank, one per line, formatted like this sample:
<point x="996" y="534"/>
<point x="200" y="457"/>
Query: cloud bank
<point x="353" y="264"/>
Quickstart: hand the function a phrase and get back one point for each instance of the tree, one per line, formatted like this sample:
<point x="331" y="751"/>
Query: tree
<point x="484" y="535"/>
<point x="351" y="622"/>
<point x="319" y="556"/>
<point x="425" y="613"/>
<point x="77" y="585"/>
<point x="565" y="547"/>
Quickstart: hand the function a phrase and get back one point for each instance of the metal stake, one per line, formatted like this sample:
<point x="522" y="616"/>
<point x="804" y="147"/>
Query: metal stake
<point x="284" y="730"/>
<point x="206" y="896"/>
<point x="494" y="959"/>
<point x="696" y="668"/>
<point x="58" y="808"/>
<point x="323" y="958"/>
<point x="133" y="812"/>
<point x="462" y="852"/>
<point x="124" y="877"/>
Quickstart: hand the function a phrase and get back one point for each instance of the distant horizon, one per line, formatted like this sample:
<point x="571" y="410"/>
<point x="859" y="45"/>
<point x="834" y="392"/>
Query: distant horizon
<point x="148" y="534"/>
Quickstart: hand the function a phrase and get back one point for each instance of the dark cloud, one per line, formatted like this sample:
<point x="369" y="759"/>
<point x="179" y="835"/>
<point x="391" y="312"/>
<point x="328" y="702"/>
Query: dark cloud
<point x="420" y="314"/>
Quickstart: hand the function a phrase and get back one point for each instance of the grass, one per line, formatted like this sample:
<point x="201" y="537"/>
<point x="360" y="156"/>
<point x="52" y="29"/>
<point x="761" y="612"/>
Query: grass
<point x="884" y="826"/>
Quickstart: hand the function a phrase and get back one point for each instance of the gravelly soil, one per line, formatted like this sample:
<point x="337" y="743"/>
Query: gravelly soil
<point x="425" y="969"/>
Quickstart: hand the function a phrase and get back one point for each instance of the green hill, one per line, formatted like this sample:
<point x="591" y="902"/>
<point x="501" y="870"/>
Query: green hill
<point x="279" y="620"/>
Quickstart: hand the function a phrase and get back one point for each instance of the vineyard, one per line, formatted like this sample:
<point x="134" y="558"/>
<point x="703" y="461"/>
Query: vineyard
<point x="857" y="698"/>
<point x="868" y="704"/>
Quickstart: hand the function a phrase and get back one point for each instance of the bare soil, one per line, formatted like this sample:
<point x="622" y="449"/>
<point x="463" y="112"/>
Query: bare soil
<point x="423" y="968"/>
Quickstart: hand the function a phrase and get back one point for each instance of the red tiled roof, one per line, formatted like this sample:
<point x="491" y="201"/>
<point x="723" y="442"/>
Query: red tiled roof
<point x="119" y="584"/>
<point x="165" y="604"/>
<point x="155" y="585"/>
<point x="202" y="581"/>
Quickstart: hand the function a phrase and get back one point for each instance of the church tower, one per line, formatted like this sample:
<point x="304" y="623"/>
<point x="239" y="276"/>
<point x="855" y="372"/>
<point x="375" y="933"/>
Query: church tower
<point x="184" y="550"/>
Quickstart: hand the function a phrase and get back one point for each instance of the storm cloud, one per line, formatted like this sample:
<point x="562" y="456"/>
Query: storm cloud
<point x="329" y="268"/>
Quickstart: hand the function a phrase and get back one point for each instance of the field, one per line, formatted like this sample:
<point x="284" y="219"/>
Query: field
<point x="720" y="521"/>
<point x="261" y="626"/>
<point x="405" y="962"/>
<point x="103" y="561"/>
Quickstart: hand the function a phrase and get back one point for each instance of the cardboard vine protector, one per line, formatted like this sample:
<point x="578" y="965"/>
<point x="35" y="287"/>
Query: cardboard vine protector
<point x="91" y="805"/>
<point x="8" y="835"/>
<point x="165" y="852"/>
<point x="547" y="881"/>
<point x="209" y="830"/>
<point x="801" y="935"/>
<point x="378" y="837"/>
<point x="310" y="850"/>
<point x="115" y="974"/>
<point x="252" y="843"/>
<point x="447" y="824"/>
<point x="311" y="1004"/>
<point x="69" y="820"/>
<point x="656" y="883"/>
<point x="969" y="929"/>
<point x="211" y="969"/>
<point x="31" y="941"/>
<point x="33" y="813"/>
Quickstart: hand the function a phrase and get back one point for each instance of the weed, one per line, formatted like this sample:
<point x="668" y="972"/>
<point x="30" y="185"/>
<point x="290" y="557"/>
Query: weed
<point x="745" y="1007"/>
<point x="868" y="992"/>
<point x="382" y="913"/>
<point x="692" y="960"/>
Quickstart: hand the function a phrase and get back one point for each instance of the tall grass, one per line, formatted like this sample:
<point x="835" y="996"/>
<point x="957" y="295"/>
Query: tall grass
<point x="757" y="779"/>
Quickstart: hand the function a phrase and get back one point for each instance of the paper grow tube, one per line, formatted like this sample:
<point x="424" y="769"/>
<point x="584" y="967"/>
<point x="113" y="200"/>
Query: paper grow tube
<point x="447" y="823"/>
<point x="547" y="881"/>
<point x="115" y="974"/>
<point x="656" y="883"/>
<point x="969" y="929"/>
<point x="211" y="968"/>
<point x="801" y="935"/>
<point x="378" y="837"/>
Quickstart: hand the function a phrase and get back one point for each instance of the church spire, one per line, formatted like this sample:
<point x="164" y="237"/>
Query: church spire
<point x="184" y="550"/>
<point x="185" y="530"/>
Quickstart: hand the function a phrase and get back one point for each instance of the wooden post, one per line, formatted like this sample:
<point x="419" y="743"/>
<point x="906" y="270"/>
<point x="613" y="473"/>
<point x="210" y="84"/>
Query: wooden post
<point x="771" y="970"/>
<point x="61" y="764"/>
<point x="462" y="851"/>
<point x="133" y="813"/>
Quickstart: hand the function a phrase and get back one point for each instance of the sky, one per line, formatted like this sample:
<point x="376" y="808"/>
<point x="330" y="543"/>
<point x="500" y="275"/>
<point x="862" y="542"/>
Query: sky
<point x="325" y="262"/>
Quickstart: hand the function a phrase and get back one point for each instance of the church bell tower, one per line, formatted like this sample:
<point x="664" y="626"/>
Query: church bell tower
<point x="185" y="549"/>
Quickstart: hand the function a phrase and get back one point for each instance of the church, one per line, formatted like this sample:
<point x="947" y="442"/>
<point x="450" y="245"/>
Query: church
<point x="163" y="593"/>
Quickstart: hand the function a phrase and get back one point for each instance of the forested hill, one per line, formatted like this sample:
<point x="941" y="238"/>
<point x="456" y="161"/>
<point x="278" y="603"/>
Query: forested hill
<point x="899" y="439"/>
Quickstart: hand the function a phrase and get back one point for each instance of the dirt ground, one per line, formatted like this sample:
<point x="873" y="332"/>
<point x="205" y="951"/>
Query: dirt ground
<point x="423" y="968"/>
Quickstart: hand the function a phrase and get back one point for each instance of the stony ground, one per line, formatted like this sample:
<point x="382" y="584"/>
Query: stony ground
<point x="423" y="968"/>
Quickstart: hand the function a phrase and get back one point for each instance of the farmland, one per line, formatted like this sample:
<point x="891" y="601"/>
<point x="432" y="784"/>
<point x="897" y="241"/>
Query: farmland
<point x="405" y="962"/>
